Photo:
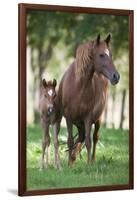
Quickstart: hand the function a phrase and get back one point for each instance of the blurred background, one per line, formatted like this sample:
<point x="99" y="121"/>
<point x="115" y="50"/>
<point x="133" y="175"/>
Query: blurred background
<point x="52" y="39"/>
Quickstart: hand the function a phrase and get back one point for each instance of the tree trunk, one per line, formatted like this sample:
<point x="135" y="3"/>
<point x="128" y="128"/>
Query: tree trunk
<point x="34" y="86"/>
<point x="113" y="107"/>
<point x="37" y="70"/>
<point x="122" y="109"/>
<point x="105" y="115"/>
<point x="43" y="57"/>
<point x="40" y="65"/>
<point x="106" y="111"/>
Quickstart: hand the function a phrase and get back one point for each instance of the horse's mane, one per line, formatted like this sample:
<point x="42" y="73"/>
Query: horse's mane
<point x="84" y="62"/>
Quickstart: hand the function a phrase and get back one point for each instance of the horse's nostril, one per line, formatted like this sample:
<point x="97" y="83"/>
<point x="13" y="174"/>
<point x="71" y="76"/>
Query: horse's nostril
<point x="115" y="76"/>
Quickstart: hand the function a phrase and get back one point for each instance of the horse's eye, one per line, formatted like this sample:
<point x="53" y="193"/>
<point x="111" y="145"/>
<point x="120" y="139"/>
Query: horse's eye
<point x="45" y="96"/>
<point x="101" y="55"/>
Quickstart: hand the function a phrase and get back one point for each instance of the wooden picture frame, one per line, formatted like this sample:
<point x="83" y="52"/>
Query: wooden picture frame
<point x="23" y="8"/>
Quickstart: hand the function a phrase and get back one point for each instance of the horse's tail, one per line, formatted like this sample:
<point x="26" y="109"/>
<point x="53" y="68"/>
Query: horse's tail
<point x="79" y="141"/>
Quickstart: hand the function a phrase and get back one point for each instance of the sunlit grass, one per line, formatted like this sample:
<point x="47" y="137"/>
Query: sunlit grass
<point x="110" y="167"/>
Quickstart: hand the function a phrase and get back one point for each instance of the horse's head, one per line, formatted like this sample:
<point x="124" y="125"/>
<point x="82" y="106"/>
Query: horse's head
<point x="49" y="93"/>
<point x="102" y="58"/>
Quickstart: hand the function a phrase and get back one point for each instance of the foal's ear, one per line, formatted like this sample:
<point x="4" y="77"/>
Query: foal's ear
<point x="54" y="82"/>
<point x="98" y="39"/>
<point x="108" y="38"/>
<point x="44" y="83"/>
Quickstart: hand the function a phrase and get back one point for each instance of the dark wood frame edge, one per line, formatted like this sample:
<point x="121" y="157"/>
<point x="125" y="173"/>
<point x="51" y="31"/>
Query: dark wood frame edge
<point x="131" y="98"/>
<point x="22" y="100"/>
<point x="22" y="8"/>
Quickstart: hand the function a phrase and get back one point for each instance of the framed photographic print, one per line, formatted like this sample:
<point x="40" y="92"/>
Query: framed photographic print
<point x="75" y="99"/>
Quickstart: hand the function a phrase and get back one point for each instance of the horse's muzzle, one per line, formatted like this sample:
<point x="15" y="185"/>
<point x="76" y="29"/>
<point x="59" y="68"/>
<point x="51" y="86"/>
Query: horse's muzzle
<point x="50" y="109"/>
<point x="115" y="78"/>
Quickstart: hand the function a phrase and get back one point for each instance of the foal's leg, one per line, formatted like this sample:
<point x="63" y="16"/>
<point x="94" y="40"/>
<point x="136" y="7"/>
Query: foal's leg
<point x="45" y="144"/>
<point x="70" y="140"/>
<point x="88" y="140"/>
<point x="95" y="138"/>
<point x="56" y="143"/>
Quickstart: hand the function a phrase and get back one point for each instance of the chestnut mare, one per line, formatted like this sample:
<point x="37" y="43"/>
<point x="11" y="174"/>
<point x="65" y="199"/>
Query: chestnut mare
<point x="50" y="115"/>
<point x="83" y="91"/>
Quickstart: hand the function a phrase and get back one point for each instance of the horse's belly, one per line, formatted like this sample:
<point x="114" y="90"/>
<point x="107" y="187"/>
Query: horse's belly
<point x="71" y="112"/>
<point x="76" y="111"/>
<point x="79" y="105"/>
<point x="97" y="115"/>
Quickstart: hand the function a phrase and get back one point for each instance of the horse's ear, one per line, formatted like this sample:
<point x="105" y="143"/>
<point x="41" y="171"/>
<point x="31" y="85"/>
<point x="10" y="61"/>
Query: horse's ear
<point x="98" y="39"/>
<point x="44" y="83"/>
<point x="54" y="82"/>
<point x="108" y="38"/>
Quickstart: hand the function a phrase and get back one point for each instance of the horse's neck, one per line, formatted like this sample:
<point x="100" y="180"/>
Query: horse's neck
<point x="94" y="84"/>
<point x="100" y="88"/>
<point x="85" y="81"/>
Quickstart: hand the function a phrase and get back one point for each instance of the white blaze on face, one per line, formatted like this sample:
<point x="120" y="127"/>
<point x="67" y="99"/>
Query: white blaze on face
<point x="50" y="92"/>
<point x="107" y="52"/>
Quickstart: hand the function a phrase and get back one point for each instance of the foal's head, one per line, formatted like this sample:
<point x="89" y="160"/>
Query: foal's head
<point x="102" y="58"/>
<point x="49" y="93"/>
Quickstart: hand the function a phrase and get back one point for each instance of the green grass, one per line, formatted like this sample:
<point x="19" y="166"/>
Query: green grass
<point x="110" y="167"/>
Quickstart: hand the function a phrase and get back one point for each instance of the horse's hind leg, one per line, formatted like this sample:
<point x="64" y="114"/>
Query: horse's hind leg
<point x="95" y="139"/>
<point x="70" y="140"/>
<point x="79" y="141"/>
<point x="56" y="144"/>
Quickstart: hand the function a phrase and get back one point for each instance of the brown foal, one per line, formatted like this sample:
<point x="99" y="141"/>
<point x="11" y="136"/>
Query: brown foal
<point x="50" y="115"/>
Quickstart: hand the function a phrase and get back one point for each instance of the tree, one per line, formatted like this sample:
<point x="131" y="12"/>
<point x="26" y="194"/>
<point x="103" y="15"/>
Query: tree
<point x="45" y="30"/>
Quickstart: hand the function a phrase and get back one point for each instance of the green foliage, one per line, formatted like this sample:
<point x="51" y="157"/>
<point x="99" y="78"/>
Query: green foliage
<point x="54" y="36"/>
<point x="46" y="28"/>
<point x="75" y="28"/>
<point x="40" y="26"/>
<point x="111" y="166"/>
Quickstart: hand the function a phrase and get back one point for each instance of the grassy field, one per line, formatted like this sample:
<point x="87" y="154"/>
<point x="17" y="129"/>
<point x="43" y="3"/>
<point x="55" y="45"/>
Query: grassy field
<point x="110" y="167"/>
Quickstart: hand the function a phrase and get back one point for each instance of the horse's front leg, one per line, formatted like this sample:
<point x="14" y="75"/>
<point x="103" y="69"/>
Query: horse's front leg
<point x="45" y="144"/>
<point x="95" y="138"/>
<point x="56" y="127"/>
<point x="88" y="139"/>
<point x="70" y="140"/>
